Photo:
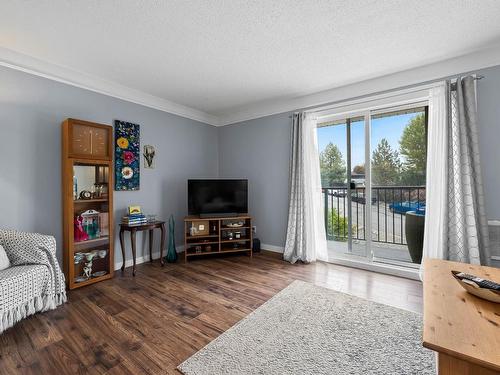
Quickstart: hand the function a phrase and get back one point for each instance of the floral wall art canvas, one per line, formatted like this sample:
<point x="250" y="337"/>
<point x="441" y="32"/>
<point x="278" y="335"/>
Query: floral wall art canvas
<point x="127" y="157"/>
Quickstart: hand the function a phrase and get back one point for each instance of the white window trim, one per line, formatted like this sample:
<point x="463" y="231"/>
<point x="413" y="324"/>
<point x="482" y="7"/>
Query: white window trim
<point x="351" y="107"/>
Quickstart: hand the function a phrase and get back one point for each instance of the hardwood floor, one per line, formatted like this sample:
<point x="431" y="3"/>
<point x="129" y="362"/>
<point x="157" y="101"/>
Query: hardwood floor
<point x="151" y="323"/>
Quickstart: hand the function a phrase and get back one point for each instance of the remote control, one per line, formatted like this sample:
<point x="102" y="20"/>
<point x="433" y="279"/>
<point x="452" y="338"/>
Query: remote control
<point x="482" y="283"/>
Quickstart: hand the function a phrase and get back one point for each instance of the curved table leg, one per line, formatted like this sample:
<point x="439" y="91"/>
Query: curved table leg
<point x="122" y="244"/>
<point x="132" y="239"/>
<point x="151" y="245"/>
<point x="162" y="243"/>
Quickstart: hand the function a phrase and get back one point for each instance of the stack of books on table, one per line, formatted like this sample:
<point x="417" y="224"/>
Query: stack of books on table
<point x="134" y="219"/>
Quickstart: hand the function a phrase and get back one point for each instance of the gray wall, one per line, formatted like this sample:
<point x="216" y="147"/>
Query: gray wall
<point x="259" y="149"/>
<point x="32" y="108"/>
<point x="31" y="111"/>
<point x="488" y="96"/>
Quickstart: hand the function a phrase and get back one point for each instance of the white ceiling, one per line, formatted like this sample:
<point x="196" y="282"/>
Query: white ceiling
<point x="220" y="57"/>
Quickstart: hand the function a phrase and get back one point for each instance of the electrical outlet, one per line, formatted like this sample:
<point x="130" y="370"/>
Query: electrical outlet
<point x="254" y="229"/>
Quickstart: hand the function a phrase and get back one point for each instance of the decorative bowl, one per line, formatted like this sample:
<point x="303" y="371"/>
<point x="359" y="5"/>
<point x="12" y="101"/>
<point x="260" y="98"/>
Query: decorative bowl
<point x="99" y="273"/>
<point x="473" y="288"/>
<point x="235" y="225"/>
<point x="80" y="279"/>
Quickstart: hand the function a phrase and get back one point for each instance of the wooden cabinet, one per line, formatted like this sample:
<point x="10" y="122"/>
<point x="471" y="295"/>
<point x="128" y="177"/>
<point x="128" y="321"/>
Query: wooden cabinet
<point x="217" y="235"/>
<point x="87" y="223"/>
<point x="89" y="140"/>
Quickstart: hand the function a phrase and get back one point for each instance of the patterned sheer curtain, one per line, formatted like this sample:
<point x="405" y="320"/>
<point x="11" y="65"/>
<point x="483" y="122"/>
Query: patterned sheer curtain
<point x="468" y="239"/>
<point x="456" y="227"/>
<point x="305" y="237"/>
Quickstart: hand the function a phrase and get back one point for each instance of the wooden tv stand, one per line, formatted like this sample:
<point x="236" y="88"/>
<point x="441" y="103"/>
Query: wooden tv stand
<point x="217" y="235"/>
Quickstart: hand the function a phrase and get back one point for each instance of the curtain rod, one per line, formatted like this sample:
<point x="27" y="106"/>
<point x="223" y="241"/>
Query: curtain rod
<point x="476" y="78"/>
<point x="453" y="85"/>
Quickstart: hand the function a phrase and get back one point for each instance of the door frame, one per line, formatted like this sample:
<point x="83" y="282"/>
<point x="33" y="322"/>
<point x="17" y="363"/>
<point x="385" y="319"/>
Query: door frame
<point x="366" y="109"/>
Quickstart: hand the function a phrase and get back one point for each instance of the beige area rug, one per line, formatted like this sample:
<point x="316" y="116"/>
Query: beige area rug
<point x="306" y="329"/>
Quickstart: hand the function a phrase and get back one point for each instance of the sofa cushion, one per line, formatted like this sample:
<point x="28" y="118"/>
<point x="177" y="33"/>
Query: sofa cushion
<point x="4" y="259"/>
<point x="20" y="284"/>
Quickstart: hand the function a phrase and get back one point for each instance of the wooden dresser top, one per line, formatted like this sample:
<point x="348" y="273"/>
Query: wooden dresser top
<point x="456" y="322"/>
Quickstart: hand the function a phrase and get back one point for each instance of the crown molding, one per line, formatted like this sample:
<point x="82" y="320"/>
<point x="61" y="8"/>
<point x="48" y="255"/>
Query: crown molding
<point x="466" y="63"/>
<point x="31" y="65"/>
<point x="479" y="59"/>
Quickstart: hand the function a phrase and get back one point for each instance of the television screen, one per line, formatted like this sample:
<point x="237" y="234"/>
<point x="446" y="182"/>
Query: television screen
<point x="217" y="197"/>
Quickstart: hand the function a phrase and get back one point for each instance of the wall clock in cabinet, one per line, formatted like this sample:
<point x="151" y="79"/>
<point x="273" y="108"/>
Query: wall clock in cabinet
<point x="89" y="140"/>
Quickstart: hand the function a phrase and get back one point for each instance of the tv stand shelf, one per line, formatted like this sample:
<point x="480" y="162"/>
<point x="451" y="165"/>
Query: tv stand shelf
<point x="212" y="235"/>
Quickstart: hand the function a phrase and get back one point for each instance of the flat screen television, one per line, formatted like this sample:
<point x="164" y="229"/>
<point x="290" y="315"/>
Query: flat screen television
<point x="218" y="197"/>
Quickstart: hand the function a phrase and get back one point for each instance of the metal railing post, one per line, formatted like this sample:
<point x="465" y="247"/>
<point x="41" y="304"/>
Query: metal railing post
<point x="325" y="194"/>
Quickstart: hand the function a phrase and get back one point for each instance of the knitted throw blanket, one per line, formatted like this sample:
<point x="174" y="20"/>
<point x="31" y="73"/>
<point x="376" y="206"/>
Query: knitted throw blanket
<point x="34" y="282"/>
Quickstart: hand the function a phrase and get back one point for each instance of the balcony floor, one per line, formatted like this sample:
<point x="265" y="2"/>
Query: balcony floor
<point x="381" y="250"/>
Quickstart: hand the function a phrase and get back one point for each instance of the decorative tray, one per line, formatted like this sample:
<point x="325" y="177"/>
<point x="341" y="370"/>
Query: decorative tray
<point x="475" y="289"/>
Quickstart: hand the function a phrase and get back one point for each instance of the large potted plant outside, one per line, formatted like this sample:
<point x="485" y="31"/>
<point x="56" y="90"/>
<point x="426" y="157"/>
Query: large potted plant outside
<point x="414" y="229"/>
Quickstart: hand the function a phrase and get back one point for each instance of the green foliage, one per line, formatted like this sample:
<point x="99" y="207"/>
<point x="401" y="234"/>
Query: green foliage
<point x="412" y="146"/>
<point x="333" y="169"/>
<point x="386" y="166"/>
<point x="337" y="225"/>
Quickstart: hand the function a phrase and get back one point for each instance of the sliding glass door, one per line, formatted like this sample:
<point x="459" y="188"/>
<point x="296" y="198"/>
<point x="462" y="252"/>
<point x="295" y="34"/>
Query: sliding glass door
<point x="373" y="176"/>
<point x="398" y="162"/>
<point x="342" y="162"/>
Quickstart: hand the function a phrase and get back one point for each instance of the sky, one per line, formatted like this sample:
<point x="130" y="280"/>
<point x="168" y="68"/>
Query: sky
<point x="390" y="128"/>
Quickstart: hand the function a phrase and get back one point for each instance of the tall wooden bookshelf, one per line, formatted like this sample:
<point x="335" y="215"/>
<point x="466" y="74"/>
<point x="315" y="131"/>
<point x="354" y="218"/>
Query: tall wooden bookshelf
<point x="217" y="235"/>
<point x="87" y="165"/>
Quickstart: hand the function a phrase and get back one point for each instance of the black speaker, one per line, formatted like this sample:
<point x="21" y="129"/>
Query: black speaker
<point x="256" y="245"/>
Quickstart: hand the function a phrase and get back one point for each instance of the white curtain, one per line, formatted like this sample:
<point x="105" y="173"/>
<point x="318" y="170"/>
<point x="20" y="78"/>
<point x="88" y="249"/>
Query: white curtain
<point x="456" y="227"/>
<point x="435" y="237"/>
<point x="305" y="237"/>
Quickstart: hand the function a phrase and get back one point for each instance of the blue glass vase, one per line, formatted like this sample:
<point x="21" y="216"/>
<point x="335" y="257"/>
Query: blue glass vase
<point x="171" y="252"/>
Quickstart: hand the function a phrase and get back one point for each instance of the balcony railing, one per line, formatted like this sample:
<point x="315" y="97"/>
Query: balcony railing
<point x="388" y="207"/>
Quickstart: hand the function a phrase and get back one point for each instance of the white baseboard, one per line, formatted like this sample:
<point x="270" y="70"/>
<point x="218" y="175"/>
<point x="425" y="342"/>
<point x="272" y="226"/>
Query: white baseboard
<point x="156" y="255"/>
<point x="275" y="249"/>
<point x="138" y="260"/>
<point x="144" y="258"/>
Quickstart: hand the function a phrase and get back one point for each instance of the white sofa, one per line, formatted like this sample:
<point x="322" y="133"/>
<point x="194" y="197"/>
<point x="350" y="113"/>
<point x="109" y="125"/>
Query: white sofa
<point x="34" y="281"/>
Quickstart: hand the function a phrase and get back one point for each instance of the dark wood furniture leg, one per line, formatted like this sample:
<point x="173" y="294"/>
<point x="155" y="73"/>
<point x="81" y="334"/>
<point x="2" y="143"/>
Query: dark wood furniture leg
<point x="132" y="240"/>
<point x="122" y="244"/>
<point x="151" y="245"/>
<point x="162" y="243"/>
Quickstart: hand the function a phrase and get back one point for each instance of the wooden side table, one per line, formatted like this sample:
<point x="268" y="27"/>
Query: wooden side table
<point x="142" y="227"/>
<point x="463" y="329"/>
